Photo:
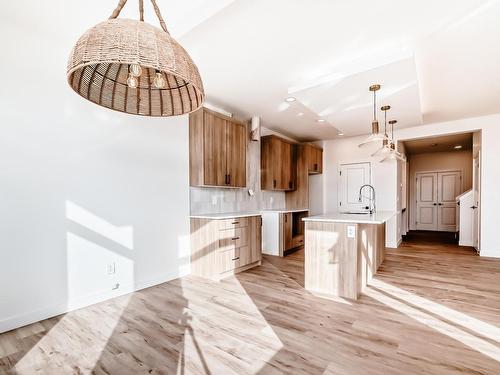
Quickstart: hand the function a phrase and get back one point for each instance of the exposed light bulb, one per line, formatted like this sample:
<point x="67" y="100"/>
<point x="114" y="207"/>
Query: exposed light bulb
<point x="135" y="70"/>
<point x="159" y="80"/>
<point x="132" y="81"/>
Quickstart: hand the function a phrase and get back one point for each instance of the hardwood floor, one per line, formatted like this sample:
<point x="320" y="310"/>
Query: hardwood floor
<point x="431" y="309"/>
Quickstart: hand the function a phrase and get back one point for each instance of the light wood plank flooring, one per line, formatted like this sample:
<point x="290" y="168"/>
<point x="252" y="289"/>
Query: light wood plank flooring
<point x="432" y="309"/>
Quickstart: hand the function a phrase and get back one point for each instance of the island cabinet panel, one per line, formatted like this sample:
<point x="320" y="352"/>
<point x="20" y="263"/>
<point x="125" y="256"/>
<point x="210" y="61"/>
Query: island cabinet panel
<point x="223" y="247"/>
<point x="217" y="150"/>
<point x="330" y="260"/>
<point x="277" y="164"/>
<point x="341" y="258"/>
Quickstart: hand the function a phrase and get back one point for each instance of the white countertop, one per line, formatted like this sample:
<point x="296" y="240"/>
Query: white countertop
<point x="230" y="215"/>
<point x="378" y="217"/>
<point x="226" y="215"/>
<point x="284" y="210"/>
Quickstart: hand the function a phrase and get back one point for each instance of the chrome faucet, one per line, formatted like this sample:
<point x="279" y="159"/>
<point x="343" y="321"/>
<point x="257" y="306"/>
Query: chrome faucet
<point x="372" y="210"/>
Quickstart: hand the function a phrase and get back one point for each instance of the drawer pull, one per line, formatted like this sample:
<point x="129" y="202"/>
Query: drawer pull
<point x="235" y="238"/>
<point x="235" y="222"/>
<point x="236" y="258"/>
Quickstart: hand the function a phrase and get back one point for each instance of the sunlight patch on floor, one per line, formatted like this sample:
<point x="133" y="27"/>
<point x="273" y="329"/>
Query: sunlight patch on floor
<point x="202" y="318"/>
<point x="66" y="343"/>
<point x="485" y="329"/>
<point x="442" y="327"/>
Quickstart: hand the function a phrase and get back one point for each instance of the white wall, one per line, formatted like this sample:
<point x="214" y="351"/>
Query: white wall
<point x="81" y="187"/>
<point x="386" y="174"/>
<point x="383" y="176"/>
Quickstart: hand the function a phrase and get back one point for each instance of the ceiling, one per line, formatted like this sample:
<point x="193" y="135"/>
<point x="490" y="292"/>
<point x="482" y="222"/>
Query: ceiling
<point x="439" y="144"/>
<point x="435" y="60"/>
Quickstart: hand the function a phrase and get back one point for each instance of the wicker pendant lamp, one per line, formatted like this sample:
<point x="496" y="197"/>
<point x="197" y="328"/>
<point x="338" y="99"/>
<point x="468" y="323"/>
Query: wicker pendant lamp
<point x="131" y="66"/>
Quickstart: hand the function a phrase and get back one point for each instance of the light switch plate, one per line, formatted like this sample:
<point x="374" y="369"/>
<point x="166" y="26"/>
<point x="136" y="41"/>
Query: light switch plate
<point x="351" y="231"/>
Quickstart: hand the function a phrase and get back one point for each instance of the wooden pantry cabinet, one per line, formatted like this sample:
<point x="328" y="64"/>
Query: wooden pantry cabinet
<point x="223" y="247"/>
<point x="314" y="155"/>
<point x="217" y="150"/>
<point x="277" y="159"/>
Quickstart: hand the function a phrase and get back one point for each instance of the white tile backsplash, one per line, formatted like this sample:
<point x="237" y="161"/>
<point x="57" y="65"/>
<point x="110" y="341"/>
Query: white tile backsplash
<point x="219" y="200"/>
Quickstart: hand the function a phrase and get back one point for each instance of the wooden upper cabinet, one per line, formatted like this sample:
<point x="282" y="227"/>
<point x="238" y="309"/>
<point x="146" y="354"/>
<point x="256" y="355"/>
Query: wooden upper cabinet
<point x="217" y="150"/>
<point x="214" y="150"/>
<point x="277" y="164"/>
<point x="236" y="138"/>
<point x="314" y="159"/>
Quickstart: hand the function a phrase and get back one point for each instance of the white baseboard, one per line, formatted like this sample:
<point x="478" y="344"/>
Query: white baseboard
<point x="465" y="243"/>
<point x="489" y="254"/>
<point x="83" y="301"/>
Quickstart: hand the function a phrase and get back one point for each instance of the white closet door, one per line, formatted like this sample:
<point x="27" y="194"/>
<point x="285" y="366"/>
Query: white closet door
<point x="449" y="188"/>
<point x="427" y="217"/>
<point x="352" y="177"/>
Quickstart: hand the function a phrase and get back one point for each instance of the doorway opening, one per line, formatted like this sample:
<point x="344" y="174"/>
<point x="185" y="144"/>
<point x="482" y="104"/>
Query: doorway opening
<point x="441" y="179"/>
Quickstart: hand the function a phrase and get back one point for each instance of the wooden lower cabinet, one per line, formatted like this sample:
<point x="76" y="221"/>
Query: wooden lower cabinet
<point x="292" y="230"/>
<point x="220" y="248"/>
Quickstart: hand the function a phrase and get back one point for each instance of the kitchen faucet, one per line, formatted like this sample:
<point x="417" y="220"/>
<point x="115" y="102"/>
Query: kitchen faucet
<point x="372" y="210"/>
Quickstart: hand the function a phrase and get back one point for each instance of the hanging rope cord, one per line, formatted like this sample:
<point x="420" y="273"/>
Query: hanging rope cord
<point x="122" y="3"/>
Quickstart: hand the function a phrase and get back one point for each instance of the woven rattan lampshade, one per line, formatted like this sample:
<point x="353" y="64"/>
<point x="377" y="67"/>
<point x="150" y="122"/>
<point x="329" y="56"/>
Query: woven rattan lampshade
<point x="99" y="66"/>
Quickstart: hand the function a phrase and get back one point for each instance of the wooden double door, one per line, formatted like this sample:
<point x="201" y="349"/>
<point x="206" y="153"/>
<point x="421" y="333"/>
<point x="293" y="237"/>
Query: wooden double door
<point x="436" y="207"/>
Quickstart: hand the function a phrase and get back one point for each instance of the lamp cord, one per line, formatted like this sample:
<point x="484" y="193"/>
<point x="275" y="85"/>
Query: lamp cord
<point x="122" y="3"/>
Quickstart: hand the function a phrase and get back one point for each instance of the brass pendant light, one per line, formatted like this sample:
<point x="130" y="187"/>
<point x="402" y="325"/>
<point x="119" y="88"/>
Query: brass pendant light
<point x="385" y="149"/>
<point x="393" y="153"/>
<point x="375" y="136"/>
<point x="133" y="67"/>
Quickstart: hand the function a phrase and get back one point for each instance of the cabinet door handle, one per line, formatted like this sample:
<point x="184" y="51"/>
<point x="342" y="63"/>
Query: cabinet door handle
<point x="440" y="204"/>
<point x="434" y="204"/>
<point x="236" y="258"/>
<point x="225" y="179"/>
<point x="290" y="184"/>
<point x="235" y="238"/>
<point x="229" y="179"/>
<point x="473" y="207"/>
<point x="274" y="184"/>
<point x="235" y="222"/>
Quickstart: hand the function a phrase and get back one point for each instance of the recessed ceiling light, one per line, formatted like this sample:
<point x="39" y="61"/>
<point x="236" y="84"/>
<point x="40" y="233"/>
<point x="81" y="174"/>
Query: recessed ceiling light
<point x="290" y="99"/>
<point x="341" y="134"/>
<point x="321" y="120"/>
<point x="457" y="147"/>
<point x="300" y="114"/>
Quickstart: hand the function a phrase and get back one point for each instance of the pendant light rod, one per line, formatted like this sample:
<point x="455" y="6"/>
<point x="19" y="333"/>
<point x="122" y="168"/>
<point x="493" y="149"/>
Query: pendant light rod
<point x="385" y="108"/>
<point x="392" y="122"/>
<point x="374" y="89"/>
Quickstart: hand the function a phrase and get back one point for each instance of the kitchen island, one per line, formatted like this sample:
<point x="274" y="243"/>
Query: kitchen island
<point x="343" y="251"/>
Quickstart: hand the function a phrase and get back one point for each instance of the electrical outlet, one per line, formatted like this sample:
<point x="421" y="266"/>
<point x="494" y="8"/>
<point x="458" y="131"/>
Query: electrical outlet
<point x="351" y="231"/>
<point x="111" y="268"/>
